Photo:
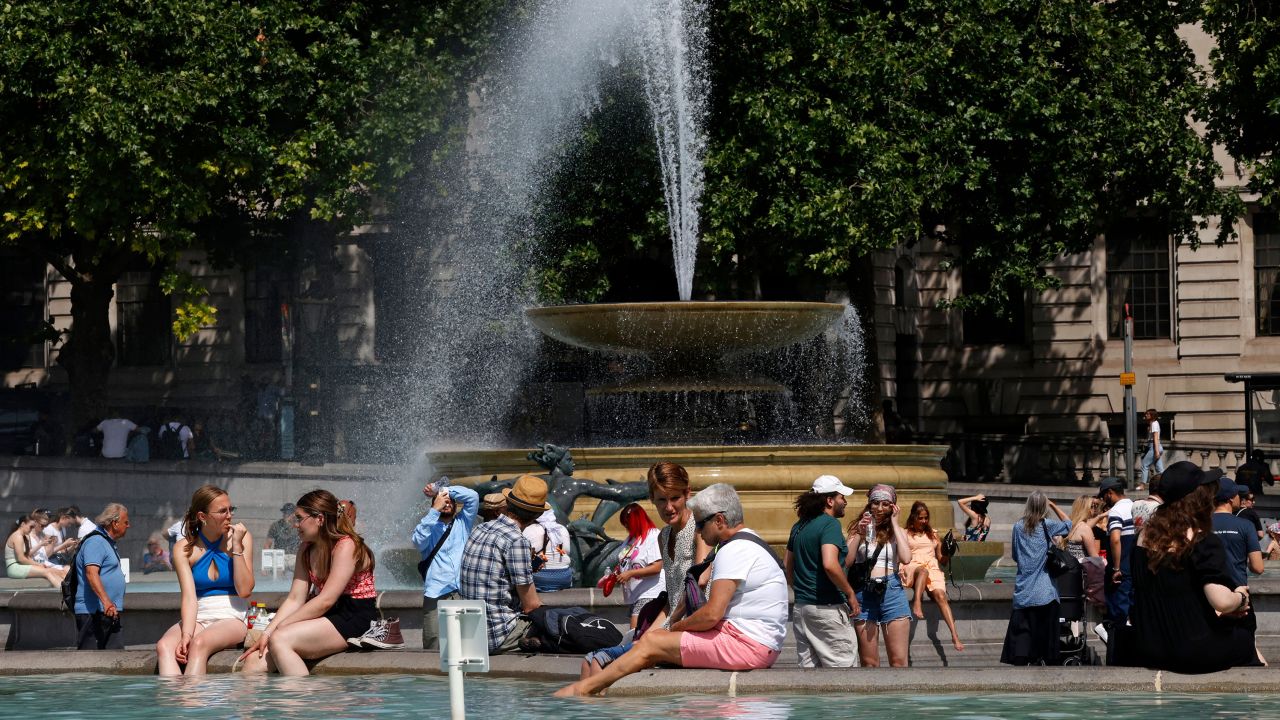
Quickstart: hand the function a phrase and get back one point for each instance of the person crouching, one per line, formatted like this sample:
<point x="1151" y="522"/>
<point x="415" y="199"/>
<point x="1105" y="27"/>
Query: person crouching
<point x="742" y="624"/>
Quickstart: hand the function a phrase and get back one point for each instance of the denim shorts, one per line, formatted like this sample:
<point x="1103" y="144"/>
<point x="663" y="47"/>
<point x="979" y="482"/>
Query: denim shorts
<point x="884" y="609"/>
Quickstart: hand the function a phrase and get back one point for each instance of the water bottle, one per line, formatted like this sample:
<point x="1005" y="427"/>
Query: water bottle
<point x="261" y="619"/>
<point x="251" y="618"/>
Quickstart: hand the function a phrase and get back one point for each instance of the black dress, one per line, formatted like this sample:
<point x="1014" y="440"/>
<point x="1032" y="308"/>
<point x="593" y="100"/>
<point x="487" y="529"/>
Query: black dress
<point x="1172" y="625"/>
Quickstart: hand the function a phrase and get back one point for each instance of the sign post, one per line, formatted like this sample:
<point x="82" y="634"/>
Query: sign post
<point x="1130" y="409"/>
<point x="464" y="647"/>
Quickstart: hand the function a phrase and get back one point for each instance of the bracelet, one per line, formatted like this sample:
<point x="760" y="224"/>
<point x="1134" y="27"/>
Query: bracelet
<point x="237" y="554"/>
<point x="1244" y="599"/>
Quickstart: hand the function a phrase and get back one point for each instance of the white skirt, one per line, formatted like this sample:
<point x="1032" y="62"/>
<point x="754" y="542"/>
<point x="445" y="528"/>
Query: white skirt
<point x="212" y="608"/>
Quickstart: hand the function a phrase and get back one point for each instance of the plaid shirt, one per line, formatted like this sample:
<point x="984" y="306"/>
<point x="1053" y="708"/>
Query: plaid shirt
<point x="496" y="559"/>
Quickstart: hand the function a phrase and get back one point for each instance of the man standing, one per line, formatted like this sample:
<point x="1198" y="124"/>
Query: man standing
<point x="1239" y="543"/>
<point x="497" y="565"/>
<point x="1255" y="472"/>
<point x="100" y="589"/>
<point x="814" y="564"/>
<point x="440" y="537"/>
<point x="1120" y="543"/>
<point x="744" y="619"/>
<point x="282" y="535"/>
<point x="1245" y="511"/>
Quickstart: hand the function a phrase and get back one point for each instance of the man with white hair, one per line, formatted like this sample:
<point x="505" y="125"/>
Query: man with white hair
<point x="100" y="582"/>
<point x="743" y="621"/>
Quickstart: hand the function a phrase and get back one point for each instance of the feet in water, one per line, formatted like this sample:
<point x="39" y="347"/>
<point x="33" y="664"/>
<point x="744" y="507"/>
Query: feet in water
<point x="570" y="690"/>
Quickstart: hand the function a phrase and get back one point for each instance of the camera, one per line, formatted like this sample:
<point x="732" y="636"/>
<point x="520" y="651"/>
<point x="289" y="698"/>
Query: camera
<point x="876" y="587"/>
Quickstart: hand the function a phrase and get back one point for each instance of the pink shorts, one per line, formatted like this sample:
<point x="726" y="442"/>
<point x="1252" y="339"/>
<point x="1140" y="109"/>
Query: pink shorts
<point x="724" y="647"/>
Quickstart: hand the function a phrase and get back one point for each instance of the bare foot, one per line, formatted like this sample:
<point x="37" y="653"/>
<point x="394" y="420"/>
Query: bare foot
<point x="570" y="690"/>
<point x="958" y="645"/>
<point x="918" y="612"/>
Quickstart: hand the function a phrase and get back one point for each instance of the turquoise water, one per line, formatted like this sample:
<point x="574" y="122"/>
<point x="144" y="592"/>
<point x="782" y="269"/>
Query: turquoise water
<point x="392" y="696"/>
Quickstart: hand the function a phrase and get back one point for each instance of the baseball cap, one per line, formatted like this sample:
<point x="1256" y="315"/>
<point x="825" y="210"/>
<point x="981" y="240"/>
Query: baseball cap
<point x="1227" y="490"/>
<point x="829" y="484"/>
<point x="1110" y="483"/>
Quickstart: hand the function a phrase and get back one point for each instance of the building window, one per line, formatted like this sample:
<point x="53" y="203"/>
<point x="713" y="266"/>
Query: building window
<point x="983" y="325"/>
<point x="144" y="328"/>
<point x="262" y="338"/>
<point x="22" y="318"/>
<point x="1266" y="271"/>
<point x="1138" y="275"/>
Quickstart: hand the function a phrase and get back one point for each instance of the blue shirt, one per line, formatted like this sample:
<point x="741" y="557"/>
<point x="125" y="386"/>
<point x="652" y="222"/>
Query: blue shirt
<point x="1238" y="540"/>
<point x="1033" y="587"/>
<point x="442" y="576"/>
<point x="102" y="552"/>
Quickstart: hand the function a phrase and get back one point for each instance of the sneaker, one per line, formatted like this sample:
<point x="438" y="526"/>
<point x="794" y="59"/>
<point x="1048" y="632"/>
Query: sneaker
<point x="1100" y="631"/>
<point x="359" y="641"/>
<point x="385" y="635"/>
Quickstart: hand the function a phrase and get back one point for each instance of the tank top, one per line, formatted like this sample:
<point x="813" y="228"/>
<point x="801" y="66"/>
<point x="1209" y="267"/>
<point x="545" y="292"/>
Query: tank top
<point x="360" y="587"/>
<point x="217" y="557"/>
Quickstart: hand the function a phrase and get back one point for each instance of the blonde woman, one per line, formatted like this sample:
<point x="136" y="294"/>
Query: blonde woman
<point x="1086" y="514"/>
<point x="213" y="560"/>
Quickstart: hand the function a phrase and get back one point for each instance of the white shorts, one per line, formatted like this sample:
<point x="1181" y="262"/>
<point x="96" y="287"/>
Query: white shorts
<point x="212" y="608"/>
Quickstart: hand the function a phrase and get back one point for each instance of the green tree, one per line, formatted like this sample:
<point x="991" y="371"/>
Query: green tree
<point x="1244" y="103"/>
<point x="144" y="128"/>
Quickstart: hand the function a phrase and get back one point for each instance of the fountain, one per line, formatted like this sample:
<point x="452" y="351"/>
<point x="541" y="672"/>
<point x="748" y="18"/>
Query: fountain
<point x="691" y="382"/>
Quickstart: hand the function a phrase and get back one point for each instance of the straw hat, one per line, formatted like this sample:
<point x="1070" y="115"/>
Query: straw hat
<point x="529" y="493"/>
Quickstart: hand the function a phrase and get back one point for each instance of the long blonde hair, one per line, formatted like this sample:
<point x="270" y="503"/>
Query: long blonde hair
<point x="336" y="523"/>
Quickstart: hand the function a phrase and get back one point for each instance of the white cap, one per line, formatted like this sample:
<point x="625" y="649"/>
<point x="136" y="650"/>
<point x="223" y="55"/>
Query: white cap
<point x="829" y="484"/>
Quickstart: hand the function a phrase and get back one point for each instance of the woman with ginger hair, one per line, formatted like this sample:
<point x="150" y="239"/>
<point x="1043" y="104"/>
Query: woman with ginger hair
<point x="332" y="597"/>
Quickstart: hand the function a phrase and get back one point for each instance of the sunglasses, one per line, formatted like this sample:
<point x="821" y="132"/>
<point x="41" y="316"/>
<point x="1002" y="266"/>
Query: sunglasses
<point x="699" y="524"/>
<point x="229" y="511"/>
<point x="299" y="519"/>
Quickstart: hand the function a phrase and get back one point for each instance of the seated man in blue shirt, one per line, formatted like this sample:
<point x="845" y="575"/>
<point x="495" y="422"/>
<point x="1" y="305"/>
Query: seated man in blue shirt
<point x="100" y="589"/>
<point x="440" y="537"/>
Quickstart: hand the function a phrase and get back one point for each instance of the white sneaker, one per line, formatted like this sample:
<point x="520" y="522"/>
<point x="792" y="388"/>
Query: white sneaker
<point x="359" y="641"/>
<point x="1100" y="631"/>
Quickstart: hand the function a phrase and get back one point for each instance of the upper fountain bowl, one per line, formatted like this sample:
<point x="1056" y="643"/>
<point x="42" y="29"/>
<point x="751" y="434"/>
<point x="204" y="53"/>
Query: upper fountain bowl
<point x="686" y="329"/>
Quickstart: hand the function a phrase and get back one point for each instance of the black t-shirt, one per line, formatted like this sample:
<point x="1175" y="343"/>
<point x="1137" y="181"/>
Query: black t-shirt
<point x="1173" y="626"/>
<point x="1252" y="474"/>
<point x="1252" y="516"/>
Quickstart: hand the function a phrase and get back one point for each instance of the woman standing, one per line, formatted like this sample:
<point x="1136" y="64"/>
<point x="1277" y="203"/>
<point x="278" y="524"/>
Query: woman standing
<point x="18" y="564"/>
<point x="332" y="597"/>
<point x="680" y="547"/>
<point x="881" y="541"/>
<point x="1032" y="637"/>
<point x="924" y="571"/>
<point x="1187" y="614"/>
<point x="977" y="523"/>
<point x="214" y="563"/>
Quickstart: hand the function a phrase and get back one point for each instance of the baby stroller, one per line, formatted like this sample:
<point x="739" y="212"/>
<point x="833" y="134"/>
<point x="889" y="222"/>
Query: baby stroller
<point x="1073" y="628"/>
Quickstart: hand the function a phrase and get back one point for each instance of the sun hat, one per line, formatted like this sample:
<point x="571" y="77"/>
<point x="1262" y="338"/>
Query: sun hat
<point x="1182" y="478"/>
<point x="529" y="493"/>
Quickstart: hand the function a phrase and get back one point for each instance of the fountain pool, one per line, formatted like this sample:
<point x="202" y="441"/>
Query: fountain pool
<point x="382" y="696"/>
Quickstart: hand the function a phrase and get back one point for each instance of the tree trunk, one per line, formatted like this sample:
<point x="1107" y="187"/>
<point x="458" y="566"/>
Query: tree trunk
<point x="862" y="293"/>
<point x="88" y="352"/>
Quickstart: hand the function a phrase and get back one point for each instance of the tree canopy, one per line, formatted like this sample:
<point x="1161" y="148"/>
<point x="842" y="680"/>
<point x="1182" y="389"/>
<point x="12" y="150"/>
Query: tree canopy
<point x="133" y="128"/>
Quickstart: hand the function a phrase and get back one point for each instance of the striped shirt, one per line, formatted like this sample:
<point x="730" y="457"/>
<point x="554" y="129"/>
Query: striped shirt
<point x="1120" y="517"/>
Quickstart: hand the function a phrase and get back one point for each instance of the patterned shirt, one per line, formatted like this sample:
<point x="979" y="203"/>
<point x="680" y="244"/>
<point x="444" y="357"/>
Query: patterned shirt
<point x="496" y="559"/>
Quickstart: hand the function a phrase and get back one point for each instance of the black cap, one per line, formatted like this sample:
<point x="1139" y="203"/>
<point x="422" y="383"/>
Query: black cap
<point x="1182" y="478"/>
<point x="1110" y="483"/>
<point x="1227" y="490"/>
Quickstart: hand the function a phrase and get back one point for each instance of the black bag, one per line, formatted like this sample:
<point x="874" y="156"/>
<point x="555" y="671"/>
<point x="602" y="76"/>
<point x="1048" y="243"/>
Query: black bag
<point x="693" y="597"/>
<point x="859" y="574"/>
<point x="425" y="564"/>
<point x="169" y="442"/>
<point x="1058" y="562"/>
<point x="71" y="583"/>
<point x="571" y="630"/>
<point x="949" y="545"/>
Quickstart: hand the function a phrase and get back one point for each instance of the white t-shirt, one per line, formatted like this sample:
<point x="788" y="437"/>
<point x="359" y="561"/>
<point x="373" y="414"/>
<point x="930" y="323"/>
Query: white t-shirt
<point x="557" y="539"/>
<point x="86" y="526"/>
<point x="115" y="436"/>
<point x="759" y="607"/>
<point x="184" y="436"/>
<point x="643" y="556"/>
<point x="53" y="531"/>
<point x="1155" y="432"/>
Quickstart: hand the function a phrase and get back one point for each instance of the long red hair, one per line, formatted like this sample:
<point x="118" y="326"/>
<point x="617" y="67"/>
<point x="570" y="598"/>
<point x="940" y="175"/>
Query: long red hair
<point x="636" y="521"/>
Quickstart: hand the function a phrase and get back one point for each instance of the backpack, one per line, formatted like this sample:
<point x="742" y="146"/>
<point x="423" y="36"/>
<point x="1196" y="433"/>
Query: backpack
<point x="573" y="630"/>
<point x="71" y="583"/>
<point x="169" y="442"/>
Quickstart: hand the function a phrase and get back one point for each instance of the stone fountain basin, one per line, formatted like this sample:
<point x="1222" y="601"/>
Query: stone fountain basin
<point x="685" y="329"/>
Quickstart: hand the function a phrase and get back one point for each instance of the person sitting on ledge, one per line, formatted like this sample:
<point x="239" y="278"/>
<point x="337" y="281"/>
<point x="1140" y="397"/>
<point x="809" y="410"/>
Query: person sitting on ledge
<point x="743" y="622"/>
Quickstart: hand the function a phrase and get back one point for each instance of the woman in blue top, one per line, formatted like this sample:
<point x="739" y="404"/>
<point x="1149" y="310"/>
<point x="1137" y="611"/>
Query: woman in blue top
<point x="1032" y="637"/>
<point x="215" y="573"/>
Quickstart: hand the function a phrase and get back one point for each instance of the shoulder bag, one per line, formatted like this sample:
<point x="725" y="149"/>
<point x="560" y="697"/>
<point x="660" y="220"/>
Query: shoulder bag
<point x="1058" y="561"/>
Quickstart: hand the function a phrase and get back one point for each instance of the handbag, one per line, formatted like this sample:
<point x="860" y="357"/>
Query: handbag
<point x="1058" y="561"/>
<point x="949" y="544"/>
<point x="860" y="572"/>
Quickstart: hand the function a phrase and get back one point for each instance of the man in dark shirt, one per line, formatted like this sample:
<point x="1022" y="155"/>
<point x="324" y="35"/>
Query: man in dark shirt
<point x="1255" y="472"/>
<point x="1245" y="511"/>
<point x="1239" y="540"/>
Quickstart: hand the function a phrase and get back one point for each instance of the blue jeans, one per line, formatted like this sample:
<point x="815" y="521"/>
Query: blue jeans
<point x="883" y="609"/>
<point x="1150" y="459"/>
<point x="1120" y="595"/>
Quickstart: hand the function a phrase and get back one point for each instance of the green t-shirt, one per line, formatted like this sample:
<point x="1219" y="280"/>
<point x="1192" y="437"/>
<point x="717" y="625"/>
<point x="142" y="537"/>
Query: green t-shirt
<point x="811" y="584"/>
